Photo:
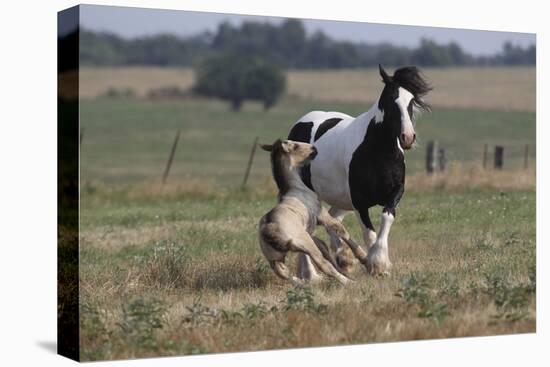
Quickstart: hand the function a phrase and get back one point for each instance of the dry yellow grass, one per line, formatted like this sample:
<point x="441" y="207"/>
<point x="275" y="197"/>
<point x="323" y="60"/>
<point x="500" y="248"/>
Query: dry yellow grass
<point x="218" y="294"/>
<point x="366" y="311"/>
<point x="481" y="88"/>
<point x="467" y="176"/>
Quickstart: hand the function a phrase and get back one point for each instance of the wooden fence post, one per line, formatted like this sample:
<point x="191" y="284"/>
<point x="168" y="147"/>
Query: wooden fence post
<point x="170" y="158"/>
<point x="499" y="157"/>
<point x="441" y="160"/>
<point x="526" y="157"/>
<point x="431" y="150"/>
<point x="485" y="153"/>
<point x="250" y="160"/>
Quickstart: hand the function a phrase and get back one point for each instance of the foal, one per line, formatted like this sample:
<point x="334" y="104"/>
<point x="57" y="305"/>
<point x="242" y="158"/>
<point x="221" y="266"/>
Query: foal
<point x="289" y="226"/>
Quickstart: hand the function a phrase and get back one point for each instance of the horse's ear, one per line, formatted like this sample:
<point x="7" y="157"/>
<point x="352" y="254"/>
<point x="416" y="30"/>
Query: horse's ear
<point x="385" y="77"/>
<point x="266" y="147"/>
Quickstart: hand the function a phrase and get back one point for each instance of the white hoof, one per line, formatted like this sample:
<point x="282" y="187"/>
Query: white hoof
<point x="378" y="262"/>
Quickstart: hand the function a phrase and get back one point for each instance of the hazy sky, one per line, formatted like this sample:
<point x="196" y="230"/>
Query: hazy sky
<point x="136" y="22"/>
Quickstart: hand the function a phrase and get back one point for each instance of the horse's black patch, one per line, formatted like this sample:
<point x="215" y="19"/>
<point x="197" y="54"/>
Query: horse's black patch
<point x="302" y="132"/>
<point x="377" y="172"/>
<point x="326" y="126"/>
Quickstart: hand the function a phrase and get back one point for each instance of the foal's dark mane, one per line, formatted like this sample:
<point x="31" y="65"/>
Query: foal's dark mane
<point x="277" y="168"/>
<point x="410" y="78"/>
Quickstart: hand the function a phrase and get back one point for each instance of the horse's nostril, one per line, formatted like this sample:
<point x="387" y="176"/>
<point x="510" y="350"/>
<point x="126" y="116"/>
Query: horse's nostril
<point x="414" y="137"/>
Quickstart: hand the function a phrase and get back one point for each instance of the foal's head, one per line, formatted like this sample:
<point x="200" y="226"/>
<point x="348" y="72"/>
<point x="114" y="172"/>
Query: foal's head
<point x="290" y="153"/>
<point x="403" y="92"/>
<point x="286" y="155"/>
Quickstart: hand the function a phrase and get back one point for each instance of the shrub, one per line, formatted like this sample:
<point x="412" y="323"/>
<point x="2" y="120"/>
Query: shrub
<point x="302" y="298"/>
<point x="94" y="336"/>
<point x="511" y="300"/>
<point x="119" y="93"/>
<point x="140" y="319"/>
<point x="172" y="92"/>
<point x="416" y="289"/>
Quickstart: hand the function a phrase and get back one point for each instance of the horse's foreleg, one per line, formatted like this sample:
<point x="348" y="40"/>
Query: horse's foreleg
<point x="369" y="234"/>
<point x="378" y="261"/>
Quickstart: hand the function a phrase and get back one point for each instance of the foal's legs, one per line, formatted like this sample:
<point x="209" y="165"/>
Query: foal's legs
<point x="306" y="270"/>
<point x="306" y="245"/>
<point x="322" y="246"/>
<point x="344" y="257"/>
<point x="282" y="271"/>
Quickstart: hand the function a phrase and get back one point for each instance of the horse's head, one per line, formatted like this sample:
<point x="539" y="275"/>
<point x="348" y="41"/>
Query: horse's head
<point x="402" y="94"/>
<point x="294" y="153"/>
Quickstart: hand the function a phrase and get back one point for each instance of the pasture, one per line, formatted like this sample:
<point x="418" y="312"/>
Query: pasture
<point x="502" y="88"/>
<point x="176" y="269"/>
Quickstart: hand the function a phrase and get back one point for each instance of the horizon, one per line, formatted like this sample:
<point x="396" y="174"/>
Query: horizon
<point x="131" y="22"/>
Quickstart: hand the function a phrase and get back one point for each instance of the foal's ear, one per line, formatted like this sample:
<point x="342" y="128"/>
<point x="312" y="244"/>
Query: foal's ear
<point x="266" y="147"/>
<point x="385" y="77"/>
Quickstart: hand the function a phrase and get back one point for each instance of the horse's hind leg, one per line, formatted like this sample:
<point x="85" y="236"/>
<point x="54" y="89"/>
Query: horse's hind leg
<point x="282" y="271"/>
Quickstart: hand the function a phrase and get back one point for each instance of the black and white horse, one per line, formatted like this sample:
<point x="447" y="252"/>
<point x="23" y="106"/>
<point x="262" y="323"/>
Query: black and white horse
<point x="360" y="160"/>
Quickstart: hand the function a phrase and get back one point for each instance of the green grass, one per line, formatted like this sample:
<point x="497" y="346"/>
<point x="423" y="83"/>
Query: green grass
<point x="176" y="269"/>
<point x="462" y="266"/>
<point x="128" y="141"/>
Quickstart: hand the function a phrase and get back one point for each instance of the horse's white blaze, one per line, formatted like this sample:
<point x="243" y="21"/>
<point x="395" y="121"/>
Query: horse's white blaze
<point x="402" y="102"/>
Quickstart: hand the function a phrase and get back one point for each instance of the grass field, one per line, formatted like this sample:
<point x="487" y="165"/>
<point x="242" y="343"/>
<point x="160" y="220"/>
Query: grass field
<point x="183" y="274"/>
<point x="176" y="269"/>
<point x="129" y="140"/>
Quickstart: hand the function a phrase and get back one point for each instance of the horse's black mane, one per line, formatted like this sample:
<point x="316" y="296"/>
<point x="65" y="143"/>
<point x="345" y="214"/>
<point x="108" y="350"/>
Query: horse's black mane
<point x="410" y="78"/>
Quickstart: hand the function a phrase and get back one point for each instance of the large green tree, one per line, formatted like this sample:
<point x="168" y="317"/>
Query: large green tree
<point x="236" y="78"/>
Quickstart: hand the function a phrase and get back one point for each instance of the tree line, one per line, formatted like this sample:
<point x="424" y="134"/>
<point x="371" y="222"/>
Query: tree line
<point x="286" y="45"/>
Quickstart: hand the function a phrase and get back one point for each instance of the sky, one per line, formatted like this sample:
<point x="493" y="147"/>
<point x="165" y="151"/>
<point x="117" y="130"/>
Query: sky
<point x="137" y="22"/>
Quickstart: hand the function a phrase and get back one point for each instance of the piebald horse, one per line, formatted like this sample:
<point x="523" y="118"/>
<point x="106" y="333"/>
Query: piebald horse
<point x="361" y="162"/>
